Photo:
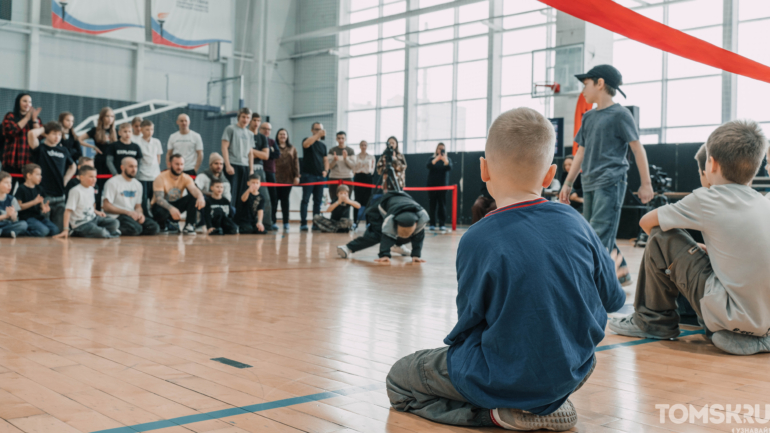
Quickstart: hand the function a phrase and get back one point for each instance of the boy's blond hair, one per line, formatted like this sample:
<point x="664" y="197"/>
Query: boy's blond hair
<point x="739" y="147"/>
<point x="343" y="188"/>
<point x="521" y="141"/>
<point x="701" y="157"/>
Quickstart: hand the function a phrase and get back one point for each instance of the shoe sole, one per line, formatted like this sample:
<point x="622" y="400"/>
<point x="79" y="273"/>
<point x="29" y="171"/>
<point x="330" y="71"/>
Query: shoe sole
<point x="562" y="419"/>
<point x="638" y="334"/>
<point x="342" y="253"/>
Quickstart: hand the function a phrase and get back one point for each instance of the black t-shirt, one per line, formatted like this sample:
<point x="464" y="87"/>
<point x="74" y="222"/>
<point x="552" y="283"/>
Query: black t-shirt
<point x="260" y="143"/>
<point x="53" y="162"/>
<point x="341" y="211"/>
<point x="246" y="211"/>
<point x="25" y="194"/>
<point x="71" y="143"/>
<point x="101" y="146"/>
<point x="438" y="173"/>
<point x="313" y="159"/>
<point x="219" y="207"/>
<point x="120" y="150"/>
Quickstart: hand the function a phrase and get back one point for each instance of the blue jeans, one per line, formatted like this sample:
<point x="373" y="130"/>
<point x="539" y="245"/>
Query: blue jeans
<point x="317" y="191"/>
<point x="40" y="227"/>
<point x="7" y="226"/>
<point x="601" y="208"/>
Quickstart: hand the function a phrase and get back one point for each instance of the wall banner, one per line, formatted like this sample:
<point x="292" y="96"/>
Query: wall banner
<point x="119" y="19"/>
<point x="193" y="24"/>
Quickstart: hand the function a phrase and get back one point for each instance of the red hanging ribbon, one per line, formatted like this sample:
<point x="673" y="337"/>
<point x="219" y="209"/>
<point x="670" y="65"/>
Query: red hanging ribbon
<point x="623" y="21"/>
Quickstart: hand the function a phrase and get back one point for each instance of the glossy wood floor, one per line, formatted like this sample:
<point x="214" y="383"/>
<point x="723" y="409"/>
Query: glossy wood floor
<point x="101" y="334"/>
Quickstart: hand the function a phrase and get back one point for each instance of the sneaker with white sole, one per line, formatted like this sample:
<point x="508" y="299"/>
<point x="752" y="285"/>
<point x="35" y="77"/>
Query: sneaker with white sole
<point x="626" y="326"/>
<point x="189" y="230"/>
<point x="564" y="418"/>
<point x="739" y="344"/>
<point x="401" y="249"/>
<point x="343" y="251"/>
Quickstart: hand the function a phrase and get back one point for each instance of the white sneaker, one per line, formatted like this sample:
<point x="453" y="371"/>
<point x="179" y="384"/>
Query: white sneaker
<point x="401" y="249"/>
<point x="201" y="230"/>
<point x="343" y="251"/>
<point x="189" y="230"/>
<point x="513" y="419"/>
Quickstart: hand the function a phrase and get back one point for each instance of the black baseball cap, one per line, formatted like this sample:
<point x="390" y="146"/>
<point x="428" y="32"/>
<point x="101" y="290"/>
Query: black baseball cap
<point x="406" y="219"/>
<point x="611" y="75"/>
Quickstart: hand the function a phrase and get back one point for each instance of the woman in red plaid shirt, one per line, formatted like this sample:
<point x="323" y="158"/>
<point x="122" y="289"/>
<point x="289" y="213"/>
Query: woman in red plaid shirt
<point x="16" y="125"/>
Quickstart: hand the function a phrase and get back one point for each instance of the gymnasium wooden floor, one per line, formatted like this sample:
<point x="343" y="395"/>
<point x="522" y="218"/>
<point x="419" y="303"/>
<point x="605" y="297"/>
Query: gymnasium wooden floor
<point x="119" y="335"/>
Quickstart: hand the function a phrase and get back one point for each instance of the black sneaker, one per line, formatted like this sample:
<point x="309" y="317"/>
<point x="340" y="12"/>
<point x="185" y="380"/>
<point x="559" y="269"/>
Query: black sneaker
<point x="173" y="228"/>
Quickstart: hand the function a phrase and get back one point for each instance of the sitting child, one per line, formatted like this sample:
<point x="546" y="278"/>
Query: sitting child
<point x="81" y="214"/>
<point x="250" y="208"/>
<point x="35" y="210"/>
<point x="75" y="181"/>
<point x="532" y="301"/>
<point x="218" y="220"/>
<point x="727" y="281"/>
<point x="10" y="225"/>
<point x="340" y="221"/>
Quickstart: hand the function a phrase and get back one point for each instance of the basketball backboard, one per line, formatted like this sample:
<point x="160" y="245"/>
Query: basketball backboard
<point x="557" y="65"/>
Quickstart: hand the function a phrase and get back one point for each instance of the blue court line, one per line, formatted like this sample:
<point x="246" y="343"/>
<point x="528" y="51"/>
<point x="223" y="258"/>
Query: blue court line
<point x="643" y="341"/>
<point x="189" y="419"/>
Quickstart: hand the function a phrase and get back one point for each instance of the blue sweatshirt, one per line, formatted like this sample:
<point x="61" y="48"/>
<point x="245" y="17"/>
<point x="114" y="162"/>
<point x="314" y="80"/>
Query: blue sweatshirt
<point x="534" y="288"/>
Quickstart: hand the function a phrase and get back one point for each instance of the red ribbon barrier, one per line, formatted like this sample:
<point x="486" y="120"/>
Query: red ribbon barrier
<point x="623" y="21"/>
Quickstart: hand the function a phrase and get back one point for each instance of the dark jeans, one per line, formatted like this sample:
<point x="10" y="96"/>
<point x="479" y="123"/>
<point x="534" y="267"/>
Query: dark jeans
<point x="673" y="264"/>
<point x="369" y="239"/>
<point x="184" y="204"/>
<point x="130" y="227"/>
<point x="333" y="190"/>
<point x="249" y="229"/>
<point x="601" y="208"/>
<point x="40" y="227"/>
<point x="7" y="226"/>
<point x="223" y="222"/>
<point x="238" y="180"/>
<point x="362" y="193"/>
<point x="98" y="190"/>
<point x="317" y="191"/>
<point x="57" y="205"/>
<point x="146" y="196"/>
<point x="99" y="228"/>
<point x="283" y="192"/>
<point x="272" y="191"/>
<point x="437" y="206"/>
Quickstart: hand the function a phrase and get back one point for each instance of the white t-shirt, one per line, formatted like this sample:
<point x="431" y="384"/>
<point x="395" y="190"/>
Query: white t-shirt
<point x="123" y="194"/>
<point x="203" y="183"/>
<point x="149" y="168"/>
<point x="136" y="138"/>
<point x="733" y="220"/>
<point x="81" y="202"/>
<point x="186" y="145"/>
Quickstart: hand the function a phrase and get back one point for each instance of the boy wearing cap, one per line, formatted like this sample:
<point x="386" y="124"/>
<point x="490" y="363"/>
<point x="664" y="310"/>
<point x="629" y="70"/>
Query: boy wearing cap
<point x="604" y="138"/>
<point x="395" y="219"/>
<point x="532" y="302"/>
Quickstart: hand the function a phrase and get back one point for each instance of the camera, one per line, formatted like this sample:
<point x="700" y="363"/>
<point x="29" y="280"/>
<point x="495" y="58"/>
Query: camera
<point x="660" y="181"/>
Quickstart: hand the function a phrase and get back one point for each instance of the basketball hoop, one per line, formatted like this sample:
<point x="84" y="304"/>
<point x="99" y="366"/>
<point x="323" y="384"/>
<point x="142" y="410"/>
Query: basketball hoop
<point x="545" y="88"/>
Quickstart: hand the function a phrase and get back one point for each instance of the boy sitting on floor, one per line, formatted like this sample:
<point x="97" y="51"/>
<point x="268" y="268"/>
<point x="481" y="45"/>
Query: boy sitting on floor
<point x="531" y="309"/>
<point x="250" y="208"/>
<point x="340" y="221"/>
<point x="219" y="221"/>
<point x="727" y="282"/>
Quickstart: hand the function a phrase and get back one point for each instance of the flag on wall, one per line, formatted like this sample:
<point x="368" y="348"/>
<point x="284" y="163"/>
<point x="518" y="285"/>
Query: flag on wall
<point x="120" y="19"/>
<point x="193" y="24"/>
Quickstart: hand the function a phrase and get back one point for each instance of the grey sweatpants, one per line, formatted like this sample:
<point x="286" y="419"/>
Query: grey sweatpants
<point x="673" y="264"/>
<point x="99" y="227"/>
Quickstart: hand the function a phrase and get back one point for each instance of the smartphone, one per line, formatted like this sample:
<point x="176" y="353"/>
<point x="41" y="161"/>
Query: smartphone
<point x="443" y="152"/>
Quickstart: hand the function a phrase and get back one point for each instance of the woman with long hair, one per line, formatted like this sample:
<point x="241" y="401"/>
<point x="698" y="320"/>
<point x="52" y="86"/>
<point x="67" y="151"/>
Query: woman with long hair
<point x="286" y="171"/>
<point x="363" y="173"/>
<point x="16" y="126"/>
<point x="102" y="134"/>
<point x="399" y="165"/>
<point x="69" y="140"/>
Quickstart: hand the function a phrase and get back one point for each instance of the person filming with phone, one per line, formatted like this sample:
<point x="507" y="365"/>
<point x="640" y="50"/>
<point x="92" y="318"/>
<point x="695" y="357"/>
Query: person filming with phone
<point x="439" y="166"/>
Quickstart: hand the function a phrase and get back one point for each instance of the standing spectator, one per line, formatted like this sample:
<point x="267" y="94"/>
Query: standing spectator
<point x="286" y="172"/>
<point x="123" y="201"/>
<point x="399" y="165"/>
<point x="364" y="170"/>
<point x="439" y="166"/>
<point x="57" y="168"/>
<point x="102" y="134"/>
<point x="341" y="165"/>
<point x="10" y="225"/>
<point x="136" y="129"/>
<point x="16" y="127"/>
<point x="187" y="143"/>
<point x="168" y="201"/>
<point x="261" y="154"/>
<point x="69" y="140"/>
<point x="315" y="166"/>
<point x="214" y="172"/>
<point x="237" y="143"/>
<point x="33" y="206"/>
<point x="149" y="166"/>
<point x="269" y="164"/>
<point x="123" y="148"/>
